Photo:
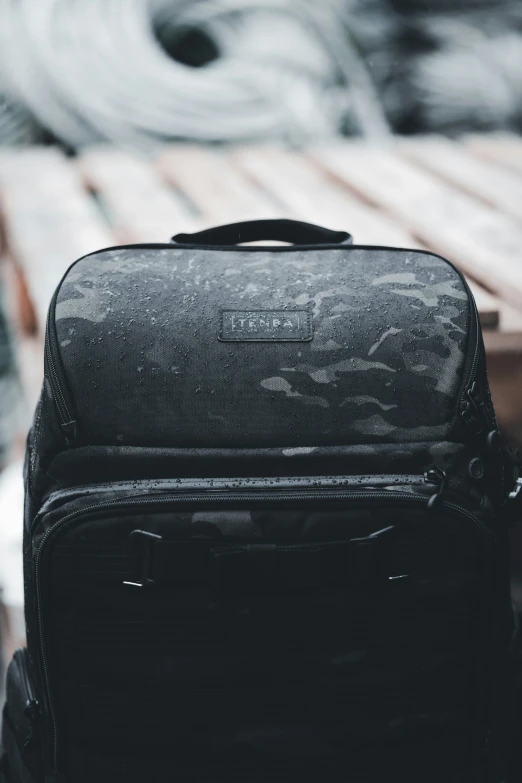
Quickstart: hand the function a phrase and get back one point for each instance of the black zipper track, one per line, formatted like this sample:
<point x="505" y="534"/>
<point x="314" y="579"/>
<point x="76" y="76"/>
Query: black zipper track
<point x="469" y="395"/>
<point x="391" y="498"/>
<point x="62" y="396"/>
<point x="477" y="345"/>
<point x="265" y="484"/>
<point x="54" y="366"/>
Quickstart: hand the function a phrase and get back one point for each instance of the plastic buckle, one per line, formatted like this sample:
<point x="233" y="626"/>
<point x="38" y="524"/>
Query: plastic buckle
<point x="367" y="557"/>
<point x="144" y="542"/>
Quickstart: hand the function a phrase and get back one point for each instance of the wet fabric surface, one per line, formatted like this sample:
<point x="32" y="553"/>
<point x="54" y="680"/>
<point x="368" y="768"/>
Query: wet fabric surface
<point x="141" y="329"/>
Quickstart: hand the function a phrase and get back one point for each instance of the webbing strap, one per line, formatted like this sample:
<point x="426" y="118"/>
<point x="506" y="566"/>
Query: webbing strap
<point x="260" y="566"/>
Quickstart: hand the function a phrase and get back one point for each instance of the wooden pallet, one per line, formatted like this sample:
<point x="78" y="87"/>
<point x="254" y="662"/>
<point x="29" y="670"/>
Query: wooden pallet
<point x="459" y="199"/>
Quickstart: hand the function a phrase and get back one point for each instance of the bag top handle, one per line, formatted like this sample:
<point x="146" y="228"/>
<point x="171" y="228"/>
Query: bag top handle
<point x="293" y="231"/>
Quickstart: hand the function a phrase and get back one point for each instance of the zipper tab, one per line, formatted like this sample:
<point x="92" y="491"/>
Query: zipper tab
<point x="70" y="431"/>
<point x="475" y="397"/>
<point x="494" y="440"/>
<point x="514" y="503"/>
<point x="32" y="713"/>
<point x="436" y="476"/>
<point x="32" y="706"/>
<point x="514" y="495"/>
<point x="473" y="411"/>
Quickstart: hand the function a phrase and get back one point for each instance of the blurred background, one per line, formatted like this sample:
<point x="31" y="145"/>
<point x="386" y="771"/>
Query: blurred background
<point x="131" y="120"/>
<point x="142" y="72"/>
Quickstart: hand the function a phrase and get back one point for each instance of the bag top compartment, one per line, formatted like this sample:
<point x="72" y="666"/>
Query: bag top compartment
<point x="257" y="347"/>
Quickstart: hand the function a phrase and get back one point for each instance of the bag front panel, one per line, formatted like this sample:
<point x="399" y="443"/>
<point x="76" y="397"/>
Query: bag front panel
<point x="265" y="643"/>
<point x="138" y="334"/>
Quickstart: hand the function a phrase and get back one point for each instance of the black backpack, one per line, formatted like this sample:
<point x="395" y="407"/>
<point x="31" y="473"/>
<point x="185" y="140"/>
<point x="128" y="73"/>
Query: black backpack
<point x="267" y="519"/>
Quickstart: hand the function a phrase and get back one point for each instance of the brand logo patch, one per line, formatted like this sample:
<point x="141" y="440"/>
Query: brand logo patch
<point x="266" y="325"/>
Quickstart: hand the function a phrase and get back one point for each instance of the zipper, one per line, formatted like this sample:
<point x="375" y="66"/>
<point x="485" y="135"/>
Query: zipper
<point x="475" y="414"/>
<point x="61" y="396"/>
<point x="390" y="496"/>
<point x="31" y="706"/>
<point x="224" y="484"/>
<point x="477" y="352"/>
<point x="473" y="409"/>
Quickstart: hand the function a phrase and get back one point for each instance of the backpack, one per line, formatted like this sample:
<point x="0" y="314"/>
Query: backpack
<point x="267" y="521"/>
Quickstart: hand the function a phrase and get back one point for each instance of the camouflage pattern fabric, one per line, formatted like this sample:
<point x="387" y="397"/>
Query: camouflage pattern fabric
<point x="384" y="365"/>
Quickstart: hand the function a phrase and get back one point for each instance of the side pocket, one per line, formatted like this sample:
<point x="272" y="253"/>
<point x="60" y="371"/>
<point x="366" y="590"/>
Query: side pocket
<point x="21" y="745"/>
<point x="516" y="675"/>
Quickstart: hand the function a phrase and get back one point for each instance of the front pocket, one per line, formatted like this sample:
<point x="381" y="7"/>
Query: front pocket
<point x="216" y="554"/>
<point x="21" y="723"/>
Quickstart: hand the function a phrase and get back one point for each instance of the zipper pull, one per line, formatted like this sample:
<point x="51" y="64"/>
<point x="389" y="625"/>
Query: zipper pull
<point x="70" y="431"/>
<point x="514" y="495"/>
<point x="473" y="411"/>
<point x="32" y="713"/>
<point x="514" y="505"/>
<point x="436" y="476"/>
<point x="494" y="441"/>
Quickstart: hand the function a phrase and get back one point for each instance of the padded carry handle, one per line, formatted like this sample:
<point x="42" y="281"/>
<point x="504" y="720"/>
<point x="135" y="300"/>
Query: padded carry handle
<point x="293" y="231"/>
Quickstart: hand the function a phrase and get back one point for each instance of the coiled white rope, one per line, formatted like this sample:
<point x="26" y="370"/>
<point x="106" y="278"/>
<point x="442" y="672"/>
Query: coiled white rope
<point x="94" y="70"/>
<point x="472" y="81"/>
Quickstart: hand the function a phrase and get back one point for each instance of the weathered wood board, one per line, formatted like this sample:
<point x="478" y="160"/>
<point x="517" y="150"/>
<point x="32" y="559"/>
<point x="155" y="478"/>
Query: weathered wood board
<point x="139" y="205"/>
<point x="484" y="242"/>
<point x="455" y="164"/>
<point x="48" y="219"/>
<point x="106" y="196"/>
<point x="219" y="193"/>
<point x="457" y="198"/>
<point x="504" y="149"/>
<point x="307" y="194"/>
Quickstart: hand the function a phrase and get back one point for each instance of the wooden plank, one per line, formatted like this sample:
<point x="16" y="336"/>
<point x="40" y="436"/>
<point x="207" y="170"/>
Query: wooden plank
<point x="25" y="308"/>
<point x="141" y="207"/>
<point x="507" y="337"/>
<point x="28" y="347"/>
<point x="311" y="195"/>
<point x="488" y="305"/>
<point x="12" y="629"/>
<point x="483" y="242"/>
<point x="30" y="361"/>
<point x="48" y="219"/>
<point x="221" y="192"/>
<point x="504" y="149"/>
<point x="505" y="378"/>
<point x="456" y="165"/>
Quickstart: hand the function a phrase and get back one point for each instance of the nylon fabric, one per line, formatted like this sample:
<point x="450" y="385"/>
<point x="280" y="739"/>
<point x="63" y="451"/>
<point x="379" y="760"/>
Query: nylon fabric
<point x="265" y="560"/>
<point x="389" y="345"/>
